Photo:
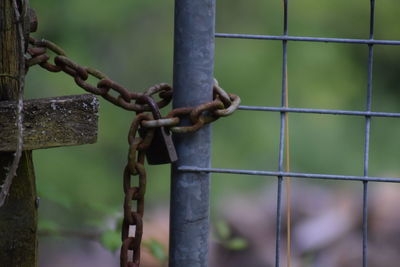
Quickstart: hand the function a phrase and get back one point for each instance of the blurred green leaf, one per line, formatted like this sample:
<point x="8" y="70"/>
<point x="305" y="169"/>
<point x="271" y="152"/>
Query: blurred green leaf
<point x="156" y="249"/>
<point x="236" y="243"/>
<point x="111" y="240"/>
<point x="48" y="226"/>
<point x="223" y="230"/>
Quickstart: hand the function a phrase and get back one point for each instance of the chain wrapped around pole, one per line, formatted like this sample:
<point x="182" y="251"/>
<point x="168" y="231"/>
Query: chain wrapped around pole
<point x="142" y="130"/>
<point x="223" y="104"/>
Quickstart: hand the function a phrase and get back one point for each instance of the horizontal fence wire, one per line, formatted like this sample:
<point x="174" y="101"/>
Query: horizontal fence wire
<point x="307" y="39"/>
<point x="291" y="174"/>
<point x="323" y="111"/>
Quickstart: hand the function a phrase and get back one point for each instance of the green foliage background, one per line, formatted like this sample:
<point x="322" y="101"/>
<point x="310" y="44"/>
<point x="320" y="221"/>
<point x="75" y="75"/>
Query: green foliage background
<point x="132" y="41"/>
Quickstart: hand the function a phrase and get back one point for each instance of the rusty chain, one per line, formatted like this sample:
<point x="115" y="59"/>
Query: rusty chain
<point x="223" y="104"/>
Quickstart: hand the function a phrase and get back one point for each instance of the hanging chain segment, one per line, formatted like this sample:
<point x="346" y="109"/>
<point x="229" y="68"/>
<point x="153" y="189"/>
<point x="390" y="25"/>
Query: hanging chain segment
<point x="133" y="217"/>
<point x="145" y="131"/>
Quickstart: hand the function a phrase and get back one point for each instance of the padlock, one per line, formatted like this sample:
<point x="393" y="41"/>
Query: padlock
<point x="162" y="148"/>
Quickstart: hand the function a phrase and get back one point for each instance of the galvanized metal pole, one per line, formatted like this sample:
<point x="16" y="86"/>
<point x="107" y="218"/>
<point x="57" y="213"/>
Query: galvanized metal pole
<point x="193" y="80"/>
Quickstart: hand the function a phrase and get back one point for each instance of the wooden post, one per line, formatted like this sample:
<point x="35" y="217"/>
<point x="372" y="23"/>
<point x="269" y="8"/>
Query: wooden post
<point x="49" y="122"/>
<point x="18" y="217"/>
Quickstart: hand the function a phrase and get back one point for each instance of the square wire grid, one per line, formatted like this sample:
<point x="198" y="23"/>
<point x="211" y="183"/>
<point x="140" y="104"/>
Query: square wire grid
<point x="284" y="109"/>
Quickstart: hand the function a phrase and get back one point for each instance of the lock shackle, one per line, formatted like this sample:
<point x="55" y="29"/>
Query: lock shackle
<point x="155" y="110"/>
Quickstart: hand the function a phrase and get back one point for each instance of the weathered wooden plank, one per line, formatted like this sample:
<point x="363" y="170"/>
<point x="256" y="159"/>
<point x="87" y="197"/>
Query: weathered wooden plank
<point x="51" y="122"/>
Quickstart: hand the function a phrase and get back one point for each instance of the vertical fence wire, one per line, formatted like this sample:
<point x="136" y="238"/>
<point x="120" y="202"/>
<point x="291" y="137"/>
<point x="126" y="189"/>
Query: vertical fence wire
<point x="367" y="137"/>
<point x="282" y="136"/>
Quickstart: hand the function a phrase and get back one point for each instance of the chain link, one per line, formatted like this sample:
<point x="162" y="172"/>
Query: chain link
<point x="223" y="104"/>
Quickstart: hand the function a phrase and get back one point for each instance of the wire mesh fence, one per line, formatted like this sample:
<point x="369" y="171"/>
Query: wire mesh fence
<point x="284" y="110"/>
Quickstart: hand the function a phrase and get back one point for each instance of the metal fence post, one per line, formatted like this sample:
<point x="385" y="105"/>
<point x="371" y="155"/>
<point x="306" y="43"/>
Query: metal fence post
<point x="193" y="80"/>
